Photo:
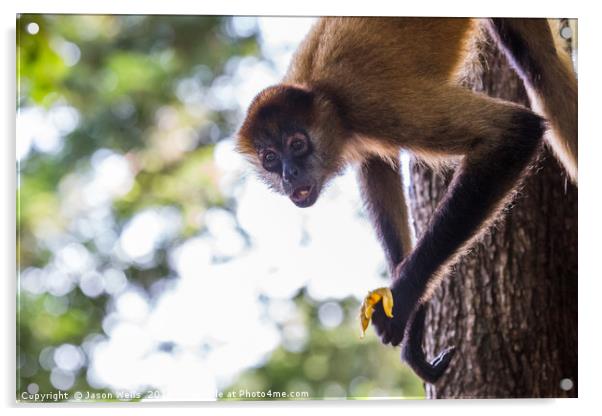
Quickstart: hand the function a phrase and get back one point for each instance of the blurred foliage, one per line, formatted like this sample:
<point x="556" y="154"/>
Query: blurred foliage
<point x="122" y="74"/>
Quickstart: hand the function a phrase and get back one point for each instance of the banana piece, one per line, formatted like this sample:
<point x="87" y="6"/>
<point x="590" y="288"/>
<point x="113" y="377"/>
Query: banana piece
<point x="367" y="308"/>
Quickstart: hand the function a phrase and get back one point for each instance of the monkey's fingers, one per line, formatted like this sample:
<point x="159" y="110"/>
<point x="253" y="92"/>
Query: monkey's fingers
<point x="367" y="308"/>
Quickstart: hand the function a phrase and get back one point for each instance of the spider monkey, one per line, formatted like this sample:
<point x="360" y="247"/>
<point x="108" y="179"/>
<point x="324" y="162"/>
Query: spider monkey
<point x="359" y="90"/>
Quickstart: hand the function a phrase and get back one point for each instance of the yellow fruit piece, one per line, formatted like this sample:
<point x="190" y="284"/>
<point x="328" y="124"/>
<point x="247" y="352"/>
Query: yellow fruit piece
<point x="367" y="308"/>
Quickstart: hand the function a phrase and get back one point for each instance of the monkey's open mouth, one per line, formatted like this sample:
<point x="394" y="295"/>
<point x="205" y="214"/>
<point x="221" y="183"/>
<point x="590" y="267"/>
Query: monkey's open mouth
<point x="304" y="196"/>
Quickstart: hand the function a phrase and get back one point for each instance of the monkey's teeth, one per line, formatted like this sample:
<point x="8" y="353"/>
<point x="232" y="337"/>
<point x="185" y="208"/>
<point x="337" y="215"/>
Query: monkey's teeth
<point x="302" y="193"/>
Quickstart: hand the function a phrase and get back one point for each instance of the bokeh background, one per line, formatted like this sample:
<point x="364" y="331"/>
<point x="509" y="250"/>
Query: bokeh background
<point x="149" y="256"/>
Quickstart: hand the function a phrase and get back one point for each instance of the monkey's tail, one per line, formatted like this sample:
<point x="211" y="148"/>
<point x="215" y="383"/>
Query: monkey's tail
<point x="549" y="79"/>
<point x="414" y="356"/>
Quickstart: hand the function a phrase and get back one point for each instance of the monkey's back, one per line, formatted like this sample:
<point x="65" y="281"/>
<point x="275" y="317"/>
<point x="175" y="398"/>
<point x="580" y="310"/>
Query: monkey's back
<point x="382" y="50"/>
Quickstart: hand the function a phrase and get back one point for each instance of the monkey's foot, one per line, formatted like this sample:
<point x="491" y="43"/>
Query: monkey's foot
<point x="373" y="297"/>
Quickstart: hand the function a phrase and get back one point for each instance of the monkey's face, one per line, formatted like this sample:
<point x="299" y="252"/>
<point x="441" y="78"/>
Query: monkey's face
<point x="290" y="162"/>
<point x="289" y="136"/>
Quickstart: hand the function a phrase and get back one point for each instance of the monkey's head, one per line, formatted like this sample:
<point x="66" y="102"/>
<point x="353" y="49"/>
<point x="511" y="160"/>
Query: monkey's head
<point x="293" y="137"/>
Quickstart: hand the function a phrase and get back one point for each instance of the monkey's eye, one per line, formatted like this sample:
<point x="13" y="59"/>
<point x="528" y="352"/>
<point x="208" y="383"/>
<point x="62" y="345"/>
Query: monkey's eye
<point x="298" y="146"/>
<point x="270" y="160"/>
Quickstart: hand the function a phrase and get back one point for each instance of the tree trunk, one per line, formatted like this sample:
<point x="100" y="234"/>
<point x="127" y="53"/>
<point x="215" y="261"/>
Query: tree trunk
<point x="510" y="306"/>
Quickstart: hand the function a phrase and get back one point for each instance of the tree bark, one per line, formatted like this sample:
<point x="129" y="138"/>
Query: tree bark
<point x="510" y="306"/>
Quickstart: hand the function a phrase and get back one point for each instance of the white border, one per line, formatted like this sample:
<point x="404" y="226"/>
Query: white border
<point x="590" y="287"/>
<point x="552" y="8"/>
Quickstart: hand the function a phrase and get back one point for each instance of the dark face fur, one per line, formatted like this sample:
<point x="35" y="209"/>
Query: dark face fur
<point x="290" y="157"/>
<point x="281" y="138"/>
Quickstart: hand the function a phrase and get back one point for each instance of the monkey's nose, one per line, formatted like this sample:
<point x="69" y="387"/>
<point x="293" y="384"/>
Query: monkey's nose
<point x="290" y="172"/>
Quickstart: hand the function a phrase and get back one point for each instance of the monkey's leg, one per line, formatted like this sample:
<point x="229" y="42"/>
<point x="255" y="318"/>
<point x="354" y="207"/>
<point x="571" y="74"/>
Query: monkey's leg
<point x="549" y="79"/>
<point x="498" y="140"/>
<point x="382" y="190"/>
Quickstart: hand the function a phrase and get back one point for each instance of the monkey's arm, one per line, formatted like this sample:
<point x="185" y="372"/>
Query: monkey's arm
<point x="383" y="195"/>
<point x="498" y="140"/>
<point x="382" y="192"/>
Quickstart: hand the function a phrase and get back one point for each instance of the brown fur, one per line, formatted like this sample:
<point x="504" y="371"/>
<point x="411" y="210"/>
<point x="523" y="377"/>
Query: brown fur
<point x="362" y="89"/>
<point x="549" y="79"/>
<point x="394" y="80"/>
<point x="378" y="85"/>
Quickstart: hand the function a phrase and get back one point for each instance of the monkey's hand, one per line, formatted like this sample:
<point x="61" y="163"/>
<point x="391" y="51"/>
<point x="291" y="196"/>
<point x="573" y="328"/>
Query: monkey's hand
<point x="391" y="327"/>
<point x="372" y="298"/>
